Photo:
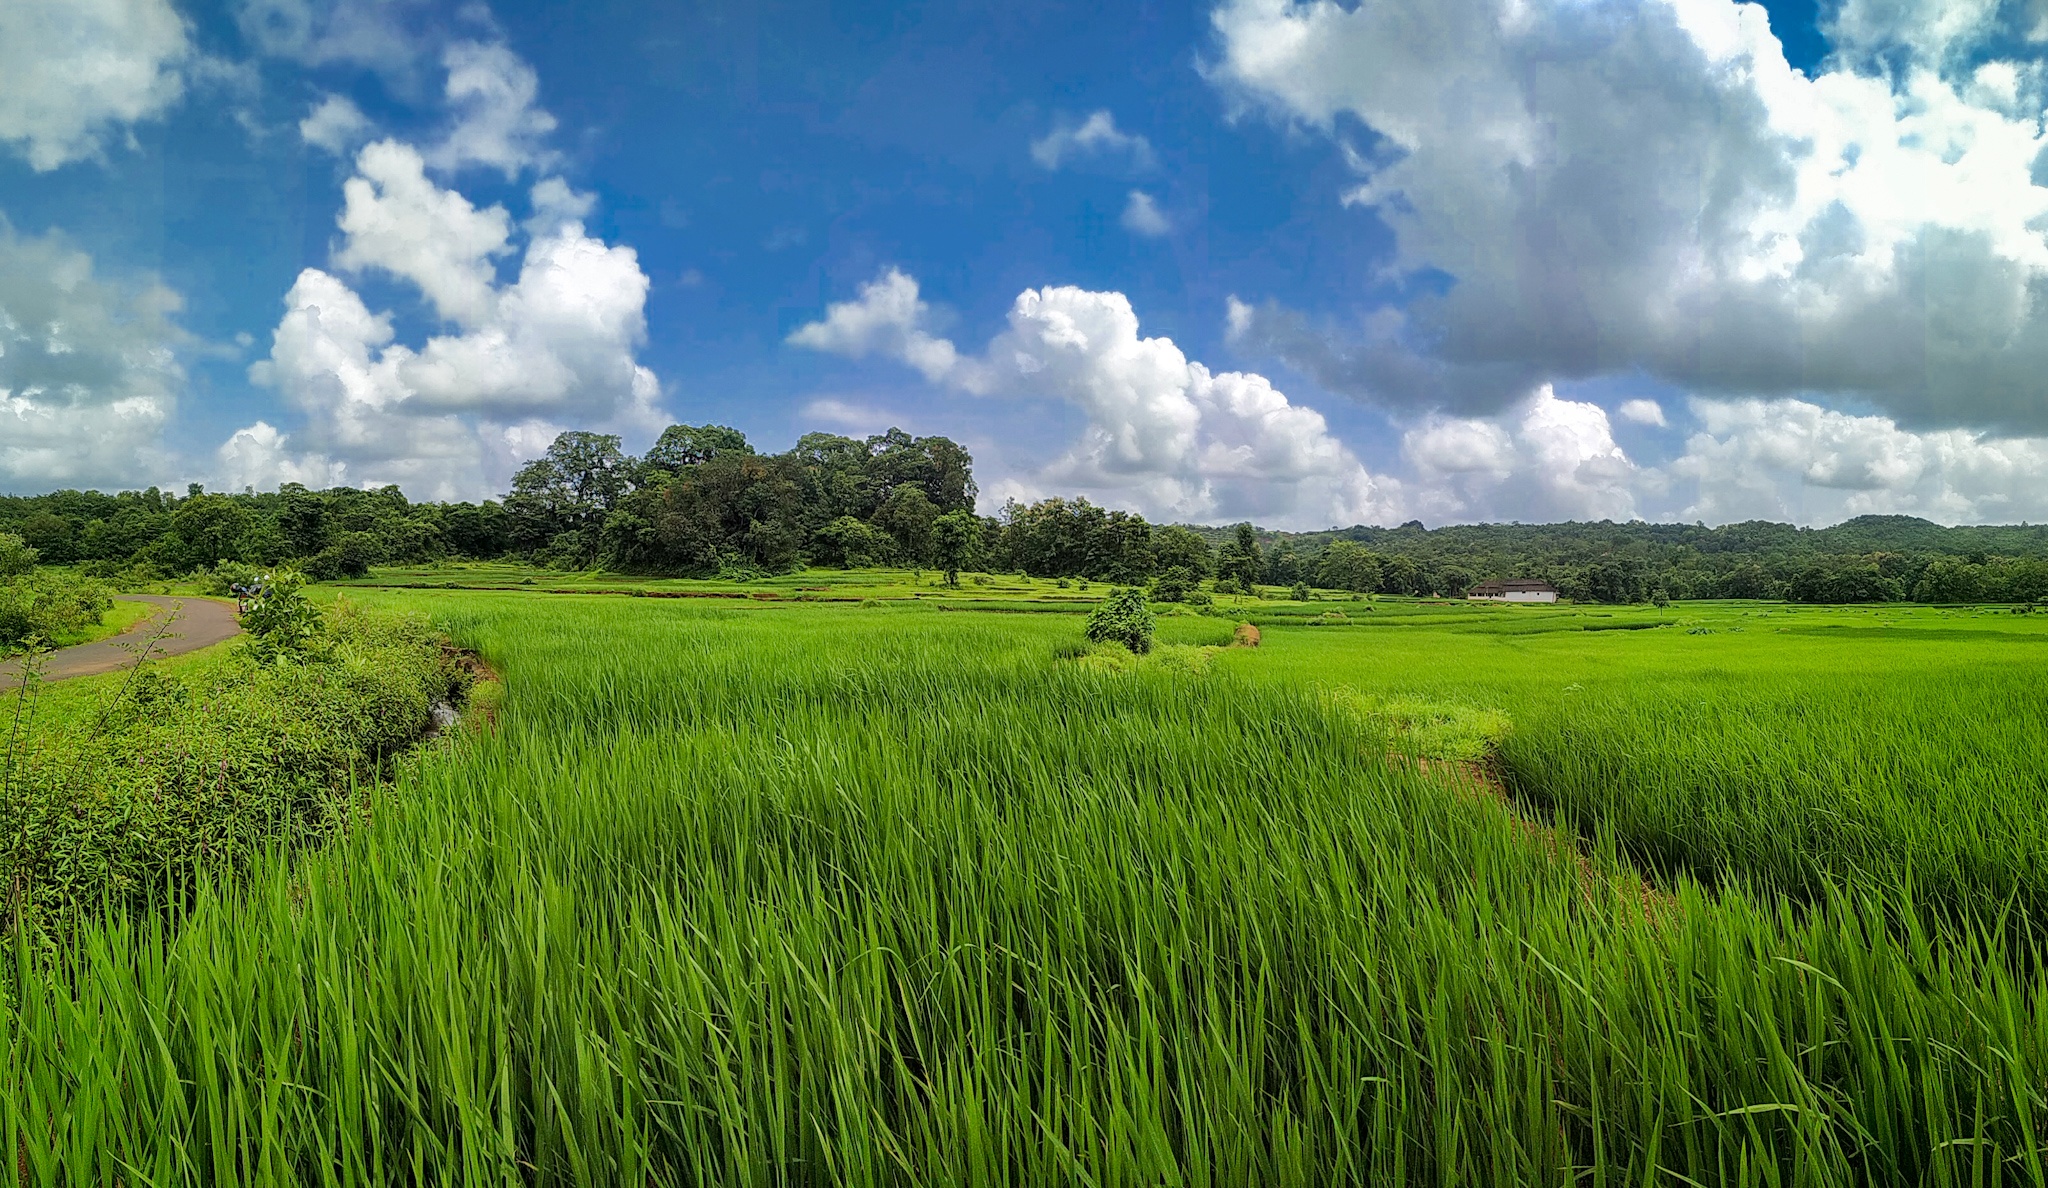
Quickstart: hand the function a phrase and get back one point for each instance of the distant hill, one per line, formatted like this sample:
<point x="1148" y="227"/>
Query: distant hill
<point x="1588" y="539"/>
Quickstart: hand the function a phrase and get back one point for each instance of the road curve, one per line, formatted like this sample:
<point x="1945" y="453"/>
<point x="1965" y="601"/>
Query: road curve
<point x="202" y="622"/>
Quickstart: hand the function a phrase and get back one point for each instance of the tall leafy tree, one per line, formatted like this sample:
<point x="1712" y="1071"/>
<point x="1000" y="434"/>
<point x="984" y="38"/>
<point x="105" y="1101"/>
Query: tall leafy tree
<point x="683" y="446"/>
<point x="1239" y="558"/>
<point x="908" y="515"/>
<point x="852" y="544"/>
<point x="1401" y="575"/>
<point x="560" y="500"/>
<point x="1348" y="565"/>
<point x="302" y="519"/>
<point x="207" y="529"/>
<point x="938" y="465"/>
<point x="1179" y="547"/>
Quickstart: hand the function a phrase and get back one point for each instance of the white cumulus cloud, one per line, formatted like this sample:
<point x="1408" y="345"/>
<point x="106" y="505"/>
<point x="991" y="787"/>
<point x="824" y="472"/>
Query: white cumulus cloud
<point x="335" y="124"/>
<point x="1651" y="186"/>
<point x="450" y="416"/>
<point x="1163" y="433"/>
<point x="89" y="373"/>
<point x="887" y="319"/>
<point x="1097" y="140"/>
<point x="399" y="220"/>
<point x="557" y="348"/>
<point x="1544" y="458"/>
<point x="1642" y="412"/>
<point x="498" y="122"/>
<point x="74" y="73"/>
<point x="261" y="458"/>
<point x="1142" y="216"/>
<point x="1790" y="459"/>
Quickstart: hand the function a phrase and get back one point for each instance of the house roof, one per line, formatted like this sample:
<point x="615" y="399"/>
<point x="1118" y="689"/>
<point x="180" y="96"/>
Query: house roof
<point x="1515" y="586"/>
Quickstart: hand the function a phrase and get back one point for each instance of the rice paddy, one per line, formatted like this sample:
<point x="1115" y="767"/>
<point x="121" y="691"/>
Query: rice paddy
<point x="765" y="892"/>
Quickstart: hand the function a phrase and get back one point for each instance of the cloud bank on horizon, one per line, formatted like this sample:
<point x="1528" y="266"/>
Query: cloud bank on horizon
<point x="1638" y="265"/>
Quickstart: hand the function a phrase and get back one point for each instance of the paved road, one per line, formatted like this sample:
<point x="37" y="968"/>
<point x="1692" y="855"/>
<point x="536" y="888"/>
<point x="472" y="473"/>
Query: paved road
<point x="202" y="623"/>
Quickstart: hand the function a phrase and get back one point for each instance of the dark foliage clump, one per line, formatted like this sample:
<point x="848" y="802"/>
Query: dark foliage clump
<point x="1124" y="617"/>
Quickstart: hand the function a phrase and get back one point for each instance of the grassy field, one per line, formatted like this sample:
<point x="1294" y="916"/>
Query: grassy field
<point x="749" y="891"/>
<point x="1788" y="747"/>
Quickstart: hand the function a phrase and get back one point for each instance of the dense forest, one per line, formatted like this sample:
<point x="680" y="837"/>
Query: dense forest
<point x="704" y="502"/>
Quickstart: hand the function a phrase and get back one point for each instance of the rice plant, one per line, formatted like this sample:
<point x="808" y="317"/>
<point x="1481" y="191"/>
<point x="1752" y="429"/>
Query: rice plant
<point x="812" y="895"/>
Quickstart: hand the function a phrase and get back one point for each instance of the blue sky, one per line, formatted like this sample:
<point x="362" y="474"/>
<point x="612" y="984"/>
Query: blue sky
<point x="1308" y="263"/>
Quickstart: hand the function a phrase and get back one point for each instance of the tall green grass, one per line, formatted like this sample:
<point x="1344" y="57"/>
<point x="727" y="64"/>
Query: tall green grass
<point x="1788" y="750"/>
<point x="822" y="896"/>
<point x="1798" y="781"/>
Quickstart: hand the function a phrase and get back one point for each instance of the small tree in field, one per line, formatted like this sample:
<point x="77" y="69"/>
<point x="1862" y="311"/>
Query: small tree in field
<point x="1125" y="618"/>
<point x="953" y="538"/>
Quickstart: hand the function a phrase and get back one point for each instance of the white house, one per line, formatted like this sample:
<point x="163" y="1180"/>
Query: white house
<point x="1514" y="590"/>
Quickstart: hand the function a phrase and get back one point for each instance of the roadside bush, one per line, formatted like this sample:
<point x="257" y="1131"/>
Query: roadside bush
<point x="124" y="575"/>
<point x="282" y="622"/>
<point x="198" y="768"/>
<point x="221" y="580"/>
<point x="1124" y="617"/>
<point x="49" y="605"/>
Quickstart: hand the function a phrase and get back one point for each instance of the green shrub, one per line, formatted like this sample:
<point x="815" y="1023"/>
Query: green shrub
<point x="1124" y="617"/>
<point x="42" y="603"/>
<point x="49" y="605"/>
<point x="196" y="768"/>
<point x="16" y="558"/>
<point x="281" y="621"/>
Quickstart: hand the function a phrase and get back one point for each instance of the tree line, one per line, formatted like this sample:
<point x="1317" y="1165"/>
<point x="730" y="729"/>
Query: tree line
<point x="704" y="502"/>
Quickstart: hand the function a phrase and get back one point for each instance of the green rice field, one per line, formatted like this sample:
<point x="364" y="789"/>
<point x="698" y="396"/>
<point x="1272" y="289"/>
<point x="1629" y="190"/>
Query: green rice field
<point x="888" y="886"/>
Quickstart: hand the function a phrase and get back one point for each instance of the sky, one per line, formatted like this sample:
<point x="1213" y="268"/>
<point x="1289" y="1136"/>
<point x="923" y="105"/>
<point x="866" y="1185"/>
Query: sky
<point x="1309" y="264"/>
